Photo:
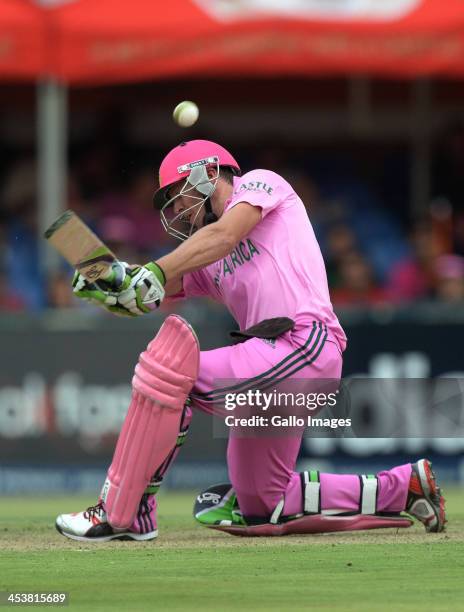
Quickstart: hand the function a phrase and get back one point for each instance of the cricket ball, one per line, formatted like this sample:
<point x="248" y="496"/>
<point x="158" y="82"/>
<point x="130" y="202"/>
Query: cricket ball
<point x="186" y="113"/>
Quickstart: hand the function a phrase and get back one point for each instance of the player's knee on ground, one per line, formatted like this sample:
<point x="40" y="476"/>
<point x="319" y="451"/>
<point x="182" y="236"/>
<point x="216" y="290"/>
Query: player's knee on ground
<point x="257" y="502"/>
<point x="260" y="470"/>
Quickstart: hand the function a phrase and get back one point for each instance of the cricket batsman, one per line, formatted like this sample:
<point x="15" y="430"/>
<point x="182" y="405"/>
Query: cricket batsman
<point x="247" y="242"/>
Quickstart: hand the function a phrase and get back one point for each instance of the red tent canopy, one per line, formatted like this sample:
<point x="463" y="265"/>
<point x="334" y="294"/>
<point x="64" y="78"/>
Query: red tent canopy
<point x="22" y="40"/>
<point x="112" y="41"/>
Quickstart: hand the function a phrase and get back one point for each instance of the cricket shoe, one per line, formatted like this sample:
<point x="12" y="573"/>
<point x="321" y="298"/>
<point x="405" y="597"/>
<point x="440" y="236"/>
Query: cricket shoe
<point x="92" y="525"/>
<point x="425" y="501"/>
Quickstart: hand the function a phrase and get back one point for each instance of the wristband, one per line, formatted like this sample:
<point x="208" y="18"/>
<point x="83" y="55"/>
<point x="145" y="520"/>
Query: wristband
<point x="157" y="271"/>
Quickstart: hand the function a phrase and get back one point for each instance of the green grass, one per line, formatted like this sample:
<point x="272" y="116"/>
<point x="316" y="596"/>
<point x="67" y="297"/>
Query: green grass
<point x="192" y="568"/>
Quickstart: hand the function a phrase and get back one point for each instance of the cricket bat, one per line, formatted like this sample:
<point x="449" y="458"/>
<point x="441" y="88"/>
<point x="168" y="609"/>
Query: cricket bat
<point x="76" y="242"/>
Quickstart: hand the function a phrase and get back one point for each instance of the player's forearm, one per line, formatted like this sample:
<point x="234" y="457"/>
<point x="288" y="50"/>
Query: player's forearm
<point x="203" y="248"/>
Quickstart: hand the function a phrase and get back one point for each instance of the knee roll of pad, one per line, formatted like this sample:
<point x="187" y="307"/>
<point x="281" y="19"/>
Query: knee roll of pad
<point x="168" y="369"/>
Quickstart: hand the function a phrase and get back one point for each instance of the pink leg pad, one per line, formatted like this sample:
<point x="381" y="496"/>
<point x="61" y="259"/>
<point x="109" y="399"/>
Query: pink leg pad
<point x="318" y="523"/>
<point x="164" y="376"/>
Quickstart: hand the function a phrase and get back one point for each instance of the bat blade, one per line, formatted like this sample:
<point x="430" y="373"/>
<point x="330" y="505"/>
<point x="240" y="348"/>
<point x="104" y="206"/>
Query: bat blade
<point x="83" y="249"/>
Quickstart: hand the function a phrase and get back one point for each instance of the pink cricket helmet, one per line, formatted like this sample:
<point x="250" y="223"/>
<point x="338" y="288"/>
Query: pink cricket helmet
<point x="180" y="161"/>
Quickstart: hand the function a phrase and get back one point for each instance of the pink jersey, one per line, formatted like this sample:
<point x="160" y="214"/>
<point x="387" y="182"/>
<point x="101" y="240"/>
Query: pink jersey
<point x="278" y="269"/>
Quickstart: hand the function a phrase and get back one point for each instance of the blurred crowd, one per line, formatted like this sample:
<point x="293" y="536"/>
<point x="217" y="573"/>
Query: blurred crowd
<point x="374" y="255"/>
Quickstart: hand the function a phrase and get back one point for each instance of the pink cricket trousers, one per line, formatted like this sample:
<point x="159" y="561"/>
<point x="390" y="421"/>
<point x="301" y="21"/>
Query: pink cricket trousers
<point x="261" y="469"/>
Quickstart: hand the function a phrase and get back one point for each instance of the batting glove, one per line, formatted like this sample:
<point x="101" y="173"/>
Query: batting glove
<point x="143" y="289"/>
<point x="104" y="293"/>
